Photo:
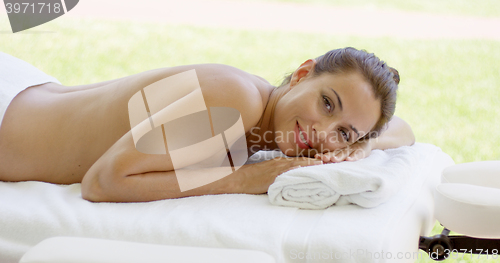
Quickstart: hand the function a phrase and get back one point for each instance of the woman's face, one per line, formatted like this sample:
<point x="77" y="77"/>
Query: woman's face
<point x="324" y="113"/>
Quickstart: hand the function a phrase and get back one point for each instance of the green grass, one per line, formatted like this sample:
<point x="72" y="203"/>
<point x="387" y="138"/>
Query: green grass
<point x="483" y="8"/>
<point x="448" y="92"/>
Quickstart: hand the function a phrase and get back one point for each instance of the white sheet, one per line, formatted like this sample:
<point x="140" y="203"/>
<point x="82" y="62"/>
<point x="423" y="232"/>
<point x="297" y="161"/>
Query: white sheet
<point x="33" y="211"/>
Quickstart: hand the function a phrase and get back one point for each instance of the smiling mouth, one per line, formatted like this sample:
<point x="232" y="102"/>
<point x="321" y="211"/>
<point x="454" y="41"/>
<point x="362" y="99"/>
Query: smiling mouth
<point x="302" y="137"/>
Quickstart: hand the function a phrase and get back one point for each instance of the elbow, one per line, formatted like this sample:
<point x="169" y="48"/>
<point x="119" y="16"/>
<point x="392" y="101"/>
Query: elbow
<point x="402" y="132"/>
<point x="105" y="180"/>
<point x="412" y="139"/>
<point x="91" y="189"/>
<point x="411" y="135"/>
<point x="95" y="187"/>
<point x="91" y="195"/>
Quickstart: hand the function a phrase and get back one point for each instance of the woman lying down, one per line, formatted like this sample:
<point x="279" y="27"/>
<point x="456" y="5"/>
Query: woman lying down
<point x="337" y="107"/>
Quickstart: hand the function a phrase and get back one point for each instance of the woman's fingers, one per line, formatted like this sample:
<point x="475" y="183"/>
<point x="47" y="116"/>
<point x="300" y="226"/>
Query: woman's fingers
<point x="295" y="163"/>
<point x="258" y="177"/>
<point x="357" y="154"/>
<point x="323" y="157"/>
<point x="335" y="156"/>
<point x="342" y="155"/>
<point x="353" y="156"/>
<point x="351" y="153"/>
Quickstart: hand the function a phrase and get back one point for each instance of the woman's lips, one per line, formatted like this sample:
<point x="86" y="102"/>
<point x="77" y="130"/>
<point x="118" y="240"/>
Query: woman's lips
<point x="302" y="145"/>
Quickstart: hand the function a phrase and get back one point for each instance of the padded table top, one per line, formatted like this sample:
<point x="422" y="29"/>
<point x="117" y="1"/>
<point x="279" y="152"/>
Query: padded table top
<point x="33" y="211"/>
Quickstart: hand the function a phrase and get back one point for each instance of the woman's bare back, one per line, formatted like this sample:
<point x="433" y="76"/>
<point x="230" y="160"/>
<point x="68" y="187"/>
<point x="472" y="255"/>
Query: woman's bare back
<point x="55" y="134"/>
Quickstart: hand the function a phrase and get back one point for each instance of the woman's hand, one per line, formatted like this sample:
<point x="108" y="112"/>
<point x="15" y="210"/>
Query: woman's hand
<point x="256" y="178"/>
<point x="354" y="152"/>
<point x="397" y="134"/>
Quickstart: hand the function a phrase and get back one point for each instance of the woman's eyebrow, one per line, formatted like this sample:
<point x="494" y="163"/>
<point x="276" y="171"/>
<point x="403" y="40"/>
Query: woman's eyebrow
<point x="338" y="98"/>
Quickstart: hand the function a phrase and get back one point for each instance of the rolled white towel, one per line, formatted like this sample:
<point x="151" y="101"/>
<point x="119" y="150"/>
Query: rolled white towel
<point x="368" y="182"/>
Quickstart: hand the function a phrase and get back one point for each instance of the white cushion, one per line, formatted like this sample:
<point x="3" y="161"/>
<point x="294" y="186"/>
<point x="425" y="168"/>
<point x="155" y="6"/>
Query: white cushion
<point x="486" y="173"/>
<point x="468" y="201"/>
<point x="91" y="250"/>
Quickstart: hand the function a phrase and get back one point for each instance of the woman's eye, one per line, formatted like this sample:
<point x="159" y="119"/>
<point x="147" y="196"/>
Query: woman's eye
<point x="345" y="135"/>
<point x="328" y="105"/>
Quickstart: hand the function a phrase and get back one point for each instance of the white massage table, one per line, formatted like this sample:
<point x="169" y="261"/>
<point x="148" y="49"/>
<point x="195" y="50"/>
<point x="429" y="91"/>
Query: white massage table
<point x="31" y="212"/>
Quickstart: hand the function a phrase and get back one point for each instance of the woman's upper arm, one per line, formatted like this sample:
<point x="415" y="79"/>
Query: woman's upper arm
<point x="119" y="161"/>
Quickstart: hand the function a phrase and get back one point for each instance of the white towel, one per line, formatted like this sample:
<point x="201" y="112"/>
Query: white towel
<point x="15" y="76"/>
<point x="367" y="182"/>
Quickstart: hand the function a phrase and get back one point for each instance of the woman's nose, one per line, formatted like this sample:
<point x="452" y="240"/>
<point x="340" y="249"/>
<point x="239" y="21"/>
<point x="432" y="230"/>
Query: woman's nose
<point x="326" y="135"/>
<point x="321" y="132"/>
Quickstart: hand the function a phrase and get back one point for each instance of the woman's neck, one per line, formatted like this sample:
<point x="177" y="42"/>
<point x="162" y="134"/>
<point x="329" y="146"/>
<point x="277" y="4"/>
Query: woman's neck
<point x="261" y="137"/>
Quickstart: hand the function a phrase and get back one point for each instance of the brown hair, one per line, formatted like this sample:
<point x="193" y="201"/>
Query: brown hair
<point x="383" y="78"/>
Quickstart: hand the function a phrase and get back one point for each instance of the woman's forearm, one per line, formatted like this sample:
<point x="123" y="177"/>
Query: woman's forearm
<point x="158" y="185"/>
<point x="256" y="178"/>
<point x="398" y="133"/>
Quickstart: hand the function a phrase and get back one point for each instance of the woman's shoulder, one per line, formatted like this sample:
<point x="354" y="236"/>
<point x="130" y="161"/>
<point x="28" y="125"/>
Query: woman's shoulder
<point x="234" y="81"/>
<point x="227" y="86"/>
<point x="221" y="85"/>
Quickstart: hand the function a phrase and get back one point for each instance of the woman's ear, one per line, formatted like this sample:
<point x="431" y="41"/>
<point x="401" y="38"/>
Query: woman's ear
<point x="304" y="71"/>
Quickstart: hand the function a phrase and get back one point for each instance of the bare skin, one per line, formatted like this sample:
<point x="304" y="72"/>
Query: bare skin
<point x="55" y="133"/>
<point x="65" y="135"/>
